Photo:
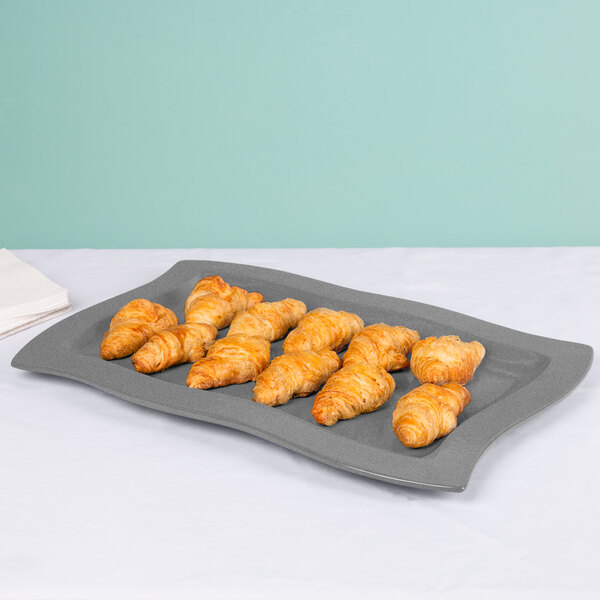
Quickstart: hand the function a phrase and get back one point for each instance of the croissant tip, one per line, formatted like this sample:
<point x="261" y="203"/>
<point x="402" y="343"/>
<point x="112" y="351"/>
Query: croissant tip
<point x="142" y="366"/>
<point x="409" y="435"/>
<point x="190" y="383"/>
<point x="323" y="416"/>
<point x="410" y="442"/>
<point x="199" y="383"/>
<point x="108" y="353"/>
<point x="264" y="400"/>
<point x="266" y="394"/>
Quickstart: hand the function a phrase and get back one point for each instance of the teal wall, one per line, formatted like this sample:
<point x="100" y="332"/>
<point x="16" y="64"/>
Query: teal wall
<point x="299" y="123"/>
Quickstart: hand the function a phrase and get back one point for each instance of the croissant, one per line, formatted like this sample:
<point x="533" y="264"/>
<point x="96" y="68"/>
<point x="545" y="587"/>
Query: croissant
<point x="173" y="346"/>
<point x="296" y="374"/>
<point x="355" y="389"/>
<point x="233" y="359"/>
<point x="271" y="320"/>
<point x="428" y="413"/>
<point x="133" y="326"/>
<point x="215" y="302"/>
<point x="444" y="359"/>
<point x="381" y="345"/>
<point x="323" y="328"/>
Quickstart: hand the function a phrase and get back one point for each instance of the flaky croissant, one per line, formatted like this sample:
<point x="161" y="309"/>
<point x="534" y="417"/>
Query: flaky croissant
<point x="351" y="391"/>
<point x="295" y="374"/>
<point x="428" y="412"/>
<point x="271" y="320"/>
<point x="173" y="346"/>
<point x="133" y="326"/>
<point x="233" y="359"/>
<point x="323" y="328"/>
<point x="215" y="302"/>
<point x="381" y="345"/>
<point x="445" y="359"/>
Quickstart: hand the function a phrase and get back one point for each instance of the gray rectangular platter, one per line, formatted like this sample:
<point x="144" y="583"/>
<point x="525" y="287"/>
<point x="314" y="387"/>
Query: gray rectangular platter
<point x="521" y="375"/>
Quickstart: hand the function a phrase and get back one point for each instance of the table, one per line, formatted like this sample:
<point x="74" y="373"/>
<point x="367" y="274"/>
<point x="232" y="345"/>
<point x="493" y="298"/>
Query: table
<point x="104" y="499"/>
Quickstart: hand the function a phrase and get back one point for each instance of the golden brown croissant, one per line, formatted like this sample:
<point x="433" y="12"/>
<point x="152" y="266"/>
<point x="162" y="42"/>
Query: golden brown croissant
<point x="173" y="346"/>
<point x="271" y="320"/>
<point x="295" y="374"/>
<point x="323" y="328"/>
<point x="445" y="359"/>
<point x="233" y="359"/>
<point x="133" y="326"/>
<point x="428" y="413"/>
<point x="381" y="345"/>
<point x="351" y="391"/>
<point x="215" y="302"/>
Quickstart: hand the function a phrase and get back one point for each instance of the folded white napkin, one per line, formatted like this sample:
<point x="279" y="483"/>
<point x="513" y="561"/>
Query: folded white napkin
<point x="26" y="296"/>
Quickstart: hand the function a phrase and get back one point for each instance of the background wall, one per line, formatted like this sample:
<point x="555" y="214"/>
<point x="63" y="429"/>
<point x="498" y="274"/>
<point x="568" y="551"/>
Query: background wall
<point x="299" y="123"/>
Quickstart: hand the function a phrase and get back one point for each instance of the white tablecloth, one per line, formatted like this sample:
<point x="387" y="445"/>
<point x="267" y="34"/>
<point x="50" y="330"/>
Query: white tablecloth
<point x="103" y="499"/>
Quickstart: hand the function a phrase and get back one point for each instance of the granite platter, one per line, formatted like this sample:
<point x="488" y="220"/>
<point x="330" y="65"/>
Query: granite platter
<point x="521" y="375"/>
